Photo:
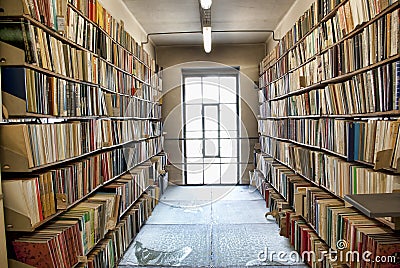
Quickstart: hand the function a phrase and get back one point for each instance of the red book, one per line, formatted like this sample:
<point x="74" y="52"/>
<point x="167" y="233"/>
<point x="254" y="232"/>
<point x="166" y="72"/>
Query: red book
<point x="384" y="249"/>
<point x="292" y="231"/>
<point x="35" y="253"/>
<point x="40" y="208"/>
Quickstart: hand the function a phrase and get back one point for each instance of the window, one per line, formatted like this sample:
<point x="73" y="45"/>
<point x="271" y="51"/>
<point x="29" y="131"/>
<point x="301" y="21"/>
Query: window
<point x="211" y="126"/>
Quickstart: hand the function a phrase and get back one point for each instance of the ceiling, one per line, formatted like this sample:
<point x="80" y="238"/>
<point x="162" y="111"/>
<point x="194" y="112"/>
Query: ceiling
<point x="161" y="16"/>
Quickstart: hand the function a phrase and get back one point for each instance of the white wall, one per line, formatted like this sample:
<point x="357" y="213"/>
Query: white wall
<point x="119" y="10"/>
<point x="247" y="57"/>
<point x="294" y="13"/>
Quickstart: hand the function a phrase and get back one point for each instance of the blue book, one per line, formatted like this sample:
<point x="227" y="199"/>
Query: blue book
<point x="356" y="140"/>
<point x="13" y="81"/>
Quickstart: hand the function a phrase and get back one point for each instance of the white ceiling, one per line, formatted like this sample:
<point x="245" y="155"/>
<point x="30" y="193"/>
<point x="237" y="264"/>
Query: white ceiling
<point x="160" y="16"/>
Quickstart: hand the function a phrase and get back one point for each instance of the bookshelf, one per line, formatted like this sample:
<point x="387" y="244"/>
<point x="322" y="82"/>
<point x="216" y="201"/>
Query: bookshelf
<point x="328" y="124"/>
<point x="81" y="140"/>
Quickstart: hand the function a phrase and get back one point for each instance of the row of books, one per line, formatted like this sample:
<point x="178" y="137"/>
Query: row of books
<point x="125" y="106"/>
<point x="320" y="213"/>
<point x="71" y="235"/>
<point x="44" y="50"/>
<point x="81" y="31"/>
<point x="354" y="140"/>
<point x="38" y="93"/>
<point x="376" y="90"/>
<point x="300" y="29"/>
<point x="95" y="12"/>
<point x="117" y="81"/>
<point x="78" y="232"/>
<point x="311" y="249"/>
<point x="334" y="173"/>
<point x="332" y="32"/>
<point x="287" y="83"/>
<point x="375" y="43"/>
<point x="123" y="59"/>
<point x="305" y="50"/>
<point x="110" y="250"/>
<point x="345" y="20"/>
<point x="305" y="131"/>
<point x="50" y="13"/>
<point x="29" y="91"/>
<point x="364" y="142"/>
<point x="48" y="192"/>
<point x="352" y="55"/>
<point x="43" y="144"/>
<point x="349" y="229"/>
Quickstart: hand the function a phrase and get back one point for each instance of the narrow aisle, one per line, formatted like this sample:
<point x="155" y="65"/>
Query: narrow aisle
<point x="208" y="226"/>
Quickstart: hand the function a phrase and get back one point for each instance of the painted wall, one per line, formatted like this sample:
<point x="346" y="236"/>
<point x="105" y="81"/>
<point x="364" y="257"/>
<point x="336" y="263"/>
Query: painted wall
<point x="173" y="59"/>
<point x="119" y="10"/>
<point x="294" y="13"/>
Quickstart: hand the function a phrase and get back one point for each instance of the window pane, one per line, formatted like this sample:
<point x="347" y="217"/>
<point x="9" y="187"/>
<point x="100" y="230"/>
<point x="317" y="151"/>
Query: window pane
<point x="194" y="148"/>
<point x="228" y="148"/>
<point x="194" y="160"/>
<point x="228" y="133"/>
<point x="210" y="90"/>
<point x="211" y="134"/>
<point x="193" y="112"/>
<point x="229" y="173"/>
<point x="194" y="125"/>
<point x="210" y="124"/>
<point x="194" y="135"/>
<point x="212" y="173"/>
<point x="228" y="117"/>
<point x="194" y="174"/>
<point x="232" y="160"/>
<point x="211" y="147"/>
<point x="228" y="89"/>
<point x="193" y="90"/>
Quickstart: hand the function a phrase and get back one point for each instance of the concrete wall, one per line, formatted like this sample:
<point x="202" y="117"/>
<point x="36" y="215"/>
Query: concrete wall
<point x="173" y="59"/>
<point x="294" y="13"/>
<point x="119" y="10"/>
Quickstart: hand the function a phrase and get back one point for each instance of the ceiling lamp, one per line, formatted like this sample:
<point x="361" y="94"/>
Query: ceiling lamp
<point x="205" y="4"/>
<point x="207" y="39"/>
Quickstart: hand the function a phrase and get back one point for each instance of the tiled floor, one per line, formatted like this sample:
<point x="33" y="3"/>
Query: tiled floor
<point x="208" y="226"/>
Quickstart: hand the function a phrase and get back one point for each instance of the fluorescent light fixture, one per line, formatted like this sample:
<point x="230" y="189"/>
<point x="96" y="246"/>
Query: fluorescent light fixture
<point x="207" y="39"/>
<point x="205" y="4"/>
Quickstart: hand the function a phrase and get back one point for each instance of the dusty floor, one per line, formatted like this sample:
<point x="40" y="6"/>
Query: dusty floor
<point x="209" y="226"/>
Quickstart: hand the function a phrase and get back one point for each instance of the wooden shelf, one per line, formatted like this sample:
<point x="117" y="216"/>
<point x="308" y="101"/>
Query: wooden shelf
<point x="127" y="95"/>
<point x="378" y="206"/>
<point x="387" y="114"/>
<point x="298" y="91"/>
<point x="75" y="118"/>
